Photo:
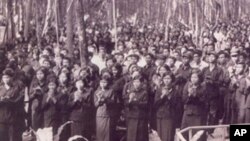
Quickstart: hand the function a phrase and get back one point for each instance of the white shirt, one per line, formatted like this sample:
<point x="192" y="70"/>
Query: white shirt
<point x="99" y="61"/>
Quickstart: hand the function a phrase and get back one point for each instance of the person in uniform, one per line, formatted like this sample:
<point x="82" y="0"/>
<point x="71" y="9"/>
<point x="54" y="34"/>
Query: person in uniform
<point x="171" y="63"/>
<point x="244" y="99"/>
<point x="182" y="76"/>
<point x="166" y="106"/>
<point x="225" y="97"/>
<point x="184" y="71"/>
<point x="237" y="90"/>
<point x="213" y="78"/>
<point x="150" y="66"/>
<point x="135" y="96"/>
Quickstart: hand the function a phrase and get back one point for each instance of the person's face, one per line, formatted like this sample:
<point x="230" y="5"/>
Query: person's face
<point x="152" y="50"/>
<point x="212" y="58"/>
<point x="241" y="59"/>
<point x="234" y="57"/>
<point x="210" y="48"/>
<point x="65" y="70"/>
<point x="137" y="83"/>
<point x="107" y="74"/>
<point x="165" y="52"/>
<point x="46" y="52"/>
<point x="21" y="60"/>
<point x="114" y="71"/>
<point x="185" y="60"/>
<point x="194" y="78"/>
<point x="167" y="80"/>
<point x="162" y="71"/>
<point x="241" y="48"/>
<point x="170" y="62"/>
<point x="119" y="58"/>
<point x="222" y="58"/>
<point x="77" y="66"/>
<point x="176" y="55"/>
<point x="46" y="64"/>
<point x="228" y="44"/>
<point x="79" y="85"/>
<point x="148" y="59"/>
<point x="103" y="84"/>
<point x="196" y="58"/>
<point x="120" y="47"/>
<point x="40" y="75"/>
<point x="52" y="86"/>
<point x="143" y="50"/>
<point x="65" y="62"/>
<point x="91" y="49"/>
<point x="76" y="54"/>
<point x="135" y="50"/>
<point x="84" y="73"/>
<point x="110" y="63"/>
<point x="10" y="56"/>
<point x="6" y="79"/>
<point x="159" y="62"/>
<point x="63" y="78"/>
<point x="133" y="60"/>
<point x="239" y="69"/>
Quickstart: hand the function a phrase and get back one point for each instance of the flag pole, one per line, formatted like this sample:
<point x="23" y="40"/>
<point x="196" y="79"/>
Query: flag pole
<point x="56" y="16"/>
<point x="197" y="22"/>
<point x="114" y="22"/>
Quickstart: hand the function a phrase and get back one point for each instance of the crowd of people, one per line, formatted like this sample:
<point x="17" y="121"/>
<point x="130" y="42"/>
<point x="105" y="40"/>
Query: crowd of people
<point x="149" y="81"/>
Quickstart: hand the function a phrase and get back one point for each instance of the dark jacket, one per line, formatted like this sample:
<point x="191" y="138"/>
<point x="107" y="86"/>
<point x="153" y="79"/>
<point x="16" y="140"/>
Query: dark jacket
<point x="10" y="103"/>
<point x="50" y="110"/>
<point x="195" y="103"/>
<point x="139" y="107"/>
<point x="167" y="106"/>
<point x="107" y="105"/>
<point x="81" y="109"/>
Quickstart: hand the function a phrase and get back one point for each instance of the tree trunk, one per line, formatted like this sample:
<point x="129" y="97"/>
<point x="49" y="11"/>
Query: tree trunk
<point x="70" y="27"/>
<point x="191" y="21"/>
<point x="27" y="19"/>
<point x="11" y="27"/>
<point x="196" y="22"/>
<point x="38" y="23"/>
<point x="81" y="32"/>
<point x="61" y="12"/>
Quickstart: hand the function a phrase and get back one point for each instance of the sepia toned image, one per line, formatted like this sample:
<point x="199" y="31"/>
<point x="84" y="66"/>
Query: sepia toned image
<point x="124" y="70"/>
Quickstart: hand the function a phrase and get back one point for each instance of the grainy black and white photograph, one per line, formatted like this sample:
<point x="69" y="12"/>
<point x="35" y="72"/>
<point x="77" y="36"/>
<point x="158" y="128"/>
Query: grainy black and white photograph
<point x="124" y="70"/>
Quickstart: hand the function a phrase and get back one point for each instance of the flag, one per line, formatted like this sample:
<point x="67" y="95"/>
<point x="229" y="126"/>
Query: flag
<point x="49" y="14"/>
